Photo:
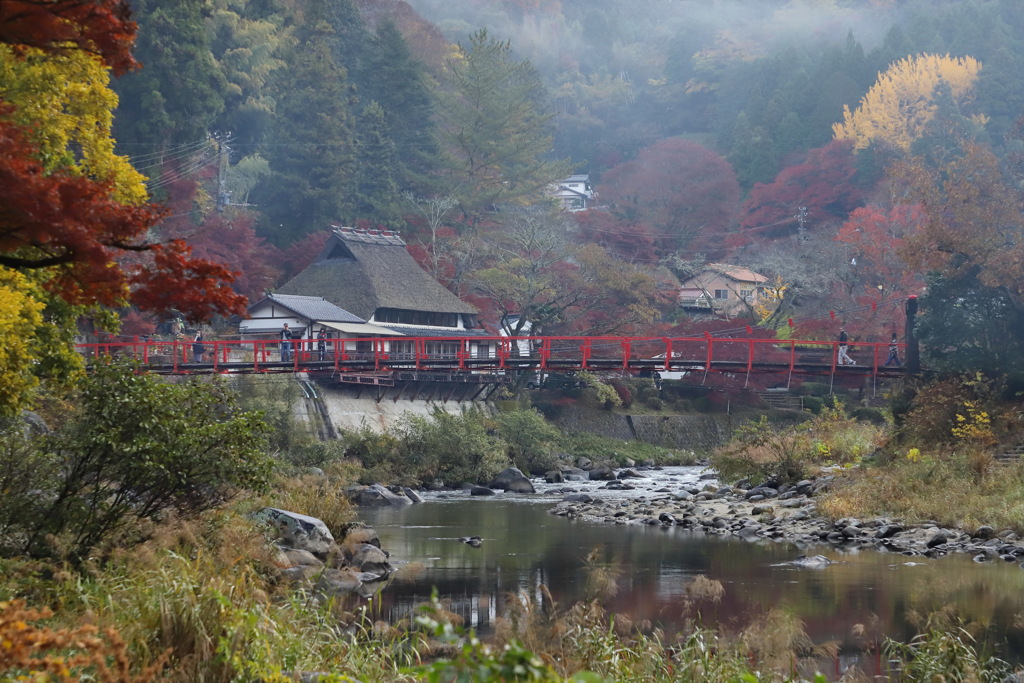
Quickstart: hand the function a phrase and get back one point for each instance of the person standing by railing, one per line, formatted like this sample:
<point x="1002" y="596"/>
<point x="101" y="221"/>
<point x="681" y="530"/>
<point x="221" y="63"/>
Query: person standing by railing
<point x="198" y="349"/>
<point x="286" y="343"/>
<point x="321" y="343"/>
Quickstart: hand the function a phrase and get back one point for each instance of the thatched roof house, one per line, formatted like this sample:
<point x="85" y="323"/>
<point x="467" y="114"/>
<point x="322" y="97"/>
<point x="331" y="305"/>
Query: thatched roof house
<point x="370" y="274"/>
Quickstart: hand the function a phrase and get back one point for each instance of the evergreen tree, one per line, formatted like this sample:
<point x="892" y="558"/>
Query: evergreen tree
<point x="377" y="196"/>
<point x="249" y="43"/>
<point x="496" y="129"/>
<point x="397" y="83"/>
<point x="174" y="99"/>
<point x="753" y="156"/>
<point x="311" y="147"/>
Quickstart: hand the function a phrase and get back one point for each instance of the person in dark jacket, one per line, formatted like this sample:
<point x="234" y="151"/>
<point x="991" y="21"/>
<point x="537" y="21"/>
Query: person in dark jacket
<point x="286" y="343"/>
<point x="321" y="343"/>
<point x="198" y="348"/>
<point x="844" y="342"/>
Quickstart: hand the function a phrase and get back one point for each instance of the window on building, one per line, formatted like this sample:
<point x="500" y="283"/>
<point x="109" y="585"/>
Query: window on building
<point x="722" y="294"/>
<point x="747" y="294"/>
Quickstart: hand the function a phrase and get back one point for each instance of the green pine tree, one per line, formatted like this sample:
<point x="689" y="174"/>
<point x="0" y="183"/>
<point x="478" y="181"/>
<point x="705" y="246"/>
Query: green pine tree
<point x="496" y="131"/>
<point x="311" y="147"/>
<point x="176" y="96"/>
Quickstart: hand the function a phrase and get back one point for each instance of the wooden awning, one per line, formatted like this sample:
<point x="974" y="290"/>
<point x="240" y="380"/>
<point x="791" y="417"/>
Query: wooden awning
<point x="360" y="328"/>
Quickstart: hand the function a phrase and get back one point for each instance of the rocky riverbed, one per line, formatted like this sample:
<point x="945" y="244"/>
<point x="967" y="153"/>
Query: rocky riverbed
<point x="783" y="513"/>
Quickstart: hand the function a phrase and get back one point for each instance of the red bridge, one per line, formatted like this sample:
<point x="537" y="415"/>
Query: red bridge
<point x="489" y="360"/>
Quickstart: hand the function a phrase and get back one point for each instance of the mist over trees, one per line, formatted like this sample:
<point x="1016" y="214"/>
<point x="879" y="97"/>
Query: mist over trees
<point x="772" y="134"/>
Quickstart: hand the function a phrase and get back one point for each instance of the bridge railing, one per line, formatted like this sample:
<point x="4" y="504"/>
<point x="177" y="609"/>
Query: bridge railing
<point x="493" y="354"/>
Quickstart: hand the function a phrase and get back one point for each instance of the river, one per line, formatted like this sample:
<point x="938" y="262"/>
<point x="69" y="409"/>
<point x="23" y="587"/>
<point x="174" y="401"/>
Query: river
<point x="524" y="547"/>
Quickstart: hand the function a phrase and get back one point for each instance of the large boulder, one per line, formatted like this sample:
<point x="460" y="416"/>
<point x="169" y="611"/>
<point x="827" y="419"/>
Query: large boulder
<point x="602" y="473"/>
<point x="512" y="480"/>
<point x="370" y="559"/>
<point x="298" y="531"/>
<point x="376" y="495"/>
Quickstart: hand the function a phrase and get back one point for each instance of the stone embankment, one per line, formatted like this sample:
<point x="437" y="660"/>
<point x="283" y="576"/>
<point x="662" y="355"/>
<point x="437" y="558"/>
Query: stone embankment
<point x="786" y="513"/>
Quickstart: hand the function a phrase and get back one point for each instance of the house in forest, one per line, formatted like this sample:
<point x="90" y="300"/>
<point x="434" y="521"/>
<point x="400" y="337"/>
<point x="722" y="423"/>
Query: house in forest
<point x="370" y="274"/>
<point x="723" y="289"/>
<point x="305" y="316"/>
<point x="574" y="192"/>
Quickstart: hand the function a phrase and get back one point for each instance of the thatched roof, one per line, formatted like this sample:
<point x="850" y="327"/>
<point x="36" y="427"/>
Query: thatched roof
<point x="364" y="270"/>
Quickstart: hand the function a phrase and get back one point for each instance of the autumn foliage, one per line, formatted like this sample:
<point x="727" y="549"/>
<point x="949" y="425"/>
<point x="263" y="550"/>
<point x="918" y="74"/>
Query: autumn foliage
<point x="103" y="27"/>
<point x="902" y="102"/>
<point x="72" y="225"/>
<point x="94" y="248"/>
<point x="71" y="654"/>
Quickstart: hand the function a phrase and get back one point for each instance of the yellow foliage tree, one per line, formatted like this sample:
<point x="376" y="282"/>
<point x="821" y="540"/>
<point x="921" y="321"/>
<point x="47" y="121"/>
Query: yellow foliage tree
<point x="65" y="102"/>
<point x="20" y="316"/>
<point x="899" y="106"/>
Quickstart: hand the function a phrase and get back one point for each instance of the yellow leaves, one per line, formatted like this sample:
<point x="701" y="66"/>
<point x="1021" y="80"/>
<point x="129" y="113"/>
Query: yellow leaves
<point x="66" y="103"/>
<point x="975" y="427"/>
<point x="902" y="102"/>
<point x="20" y="315"/>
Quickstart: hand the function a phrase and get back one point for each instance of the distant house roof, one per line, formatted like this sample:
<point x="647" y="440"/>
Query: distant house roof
<point x="364" y="270"/>
<point x="737" y="273"/>
<point x="310" y="307"/>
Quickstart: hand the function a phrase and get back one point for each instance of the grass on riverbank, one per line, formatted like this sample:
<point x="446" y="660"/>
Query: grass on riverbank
<point x="952" y="489"/>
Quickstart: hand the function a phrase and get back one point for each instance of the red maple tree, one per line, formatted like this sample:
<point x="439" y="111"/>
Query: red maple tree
<point x="103" y="27"/>
<point x="96" y="247"/>
<point x="823" y="185"/>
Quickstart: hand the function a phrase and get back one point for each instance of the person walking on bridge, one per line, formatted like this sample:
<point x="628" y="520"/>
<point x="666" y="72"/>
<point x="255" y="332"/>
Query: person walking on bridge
<point x="844" y="340"/>
<point x="894" y="353"/>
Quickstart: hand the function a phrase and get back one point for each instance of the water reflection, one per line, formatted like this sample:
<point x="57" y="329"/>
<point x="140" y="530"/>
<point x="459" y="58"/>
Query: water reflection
<point x="524" y="547"/>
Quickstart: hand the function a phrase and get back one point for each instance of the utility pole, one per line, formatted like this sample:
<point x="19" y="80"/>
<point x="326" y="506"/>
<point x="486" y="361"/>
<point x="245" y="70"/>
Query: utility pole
<point x="801" y="218"/>
<point x="223" y="158"/>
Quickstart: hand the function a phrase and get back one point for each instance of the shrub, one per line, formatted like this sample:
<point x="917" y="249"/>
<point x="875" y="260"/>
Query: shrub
<point x="530" y="439"/>
<point x="815" y="389"/>
<point x="624" y="392"/>
<point x="654" y="403"/>
<point x="136" y="448"/>
<point x="598" y="393"/>
<point x="866" y="414"/>
<point x="761" y="453"/>
<point x="813" y="404"/>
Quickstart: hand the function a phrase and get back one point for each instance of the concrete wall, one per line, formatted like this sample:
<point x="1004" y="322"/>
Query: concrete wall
<point x="345" y="411"/>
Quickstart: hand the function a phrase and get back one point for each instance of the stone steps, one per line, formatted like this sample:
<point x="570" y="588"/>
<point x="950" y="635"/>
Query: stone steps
<point x="1010" y="457"/>
<point x="780" y="400"/>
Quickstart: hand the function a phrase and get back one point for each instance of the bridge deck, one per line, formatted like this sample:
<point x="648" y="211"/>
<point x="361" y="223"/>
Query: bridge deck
<point x="487" y="360"/>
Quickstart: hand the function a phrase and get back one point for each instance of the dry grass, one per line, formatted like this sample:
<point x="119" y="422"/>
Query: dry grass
<point x="964" y="491"/>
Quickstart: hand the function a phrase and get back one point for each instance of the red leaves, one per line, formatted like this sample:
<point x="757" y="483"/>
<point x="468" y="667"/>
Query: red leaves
<point x="823" y="184"/>
<point x="100" y="26"/>
<point x="177" y="281"/>
<point x="74" y="227"/>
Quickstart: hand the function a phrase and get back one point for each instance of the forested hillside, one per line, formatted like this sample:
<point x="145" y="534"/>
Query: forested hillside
<point x="830" y="146"/>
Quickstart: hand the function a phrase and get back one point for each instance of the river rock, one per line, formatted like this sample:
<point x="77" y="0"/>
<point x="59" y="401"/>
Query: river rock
<point x="512" y="480"/>
<point x="412" y="495"/>
<point x="938" y="538"/>
<point x="602" y="473"/>
<point x="629" y="474"/>
<point x="370" y="559"/>
<point x="298" y="531"/>
<point x="301" y="558"/>
<point x="554" y="477"/>
<point x="376" y="495"/>
<point x="481" y="491"/>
